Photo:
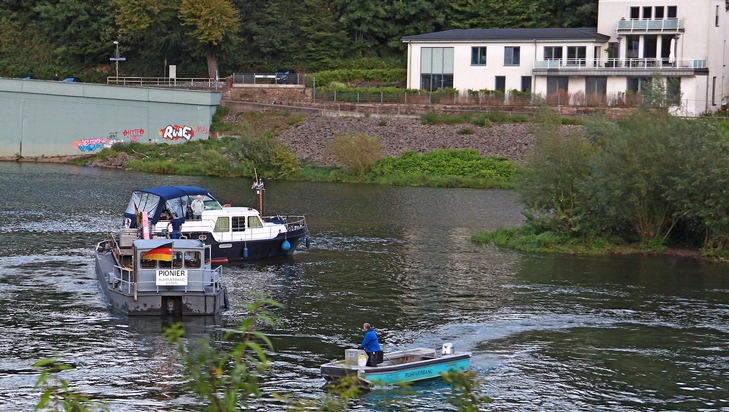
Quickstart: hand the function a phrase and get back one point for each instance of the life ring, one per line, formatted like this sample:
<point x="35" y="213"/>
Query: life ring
<point x="127" y="223"/>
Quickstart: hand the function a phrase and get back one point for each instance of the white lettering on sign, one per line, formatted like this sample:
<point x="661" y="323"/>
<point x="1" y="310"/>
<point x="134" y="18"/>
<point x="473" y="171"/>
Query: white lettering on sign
<point x="171" y="277"/>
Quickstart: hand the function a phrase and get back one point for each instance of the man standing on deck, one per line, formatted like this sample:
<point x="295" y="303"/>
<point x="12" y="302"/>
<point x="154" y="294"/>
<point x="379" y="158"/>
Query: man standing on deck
<point x="176" y="223"/>
<point x="371" y="345"/>
<point x="197" y="207"/>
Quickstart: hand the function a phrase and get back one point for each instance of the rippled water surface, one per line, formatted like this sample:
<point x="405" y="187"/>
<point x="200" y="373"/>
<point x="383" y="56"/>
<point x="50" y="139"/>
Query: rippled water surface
<point x="546" y="332"/>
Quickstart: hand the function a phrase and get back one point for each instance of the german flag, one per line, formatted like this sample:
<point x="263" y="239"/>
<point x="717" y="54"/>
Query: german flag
<point x="162" y="252"/>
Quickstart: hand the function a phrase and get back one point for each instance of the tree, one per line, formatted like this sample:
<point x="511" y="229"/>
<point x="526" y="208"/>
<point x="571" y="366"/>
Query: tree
<point x="551" y="183"/>
<point x="149" y="32"/>
<point x="273" y="36"/>
<point x="324" y="37"/>
<point x="486" y="14"/>
<point x="213" y="23"/>
<point x="178" y="29"/>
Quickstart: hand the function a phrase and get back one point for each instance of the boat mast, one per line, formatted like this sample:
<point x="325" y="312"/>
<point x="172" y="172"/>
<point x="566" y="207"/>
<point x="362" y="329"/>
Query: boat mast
<point x="258" y="186"/>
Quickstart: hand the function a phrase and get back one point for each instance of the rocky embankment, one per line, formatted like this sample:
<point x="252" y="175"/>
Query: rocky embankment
<point x="308" y="140"/>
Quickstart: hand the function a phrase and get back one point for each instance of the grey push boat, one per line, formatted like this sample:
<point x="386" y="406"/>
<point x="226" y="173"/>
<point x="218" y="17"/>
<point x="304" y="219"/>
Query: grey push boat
<point x="159" y="276"/>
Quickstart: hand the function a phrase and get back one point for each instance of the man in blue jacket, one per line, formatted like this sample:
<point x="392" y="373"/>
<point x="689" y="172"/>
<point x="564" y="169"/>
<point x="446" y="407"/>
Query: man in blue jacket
<point x="371" y="345"/>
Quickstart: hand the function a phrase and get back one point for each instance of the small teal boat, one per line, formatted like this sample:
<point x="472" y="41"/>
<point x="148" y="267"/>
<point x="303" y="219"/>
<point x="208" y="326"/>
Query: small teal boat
<point x="405" y="366"/>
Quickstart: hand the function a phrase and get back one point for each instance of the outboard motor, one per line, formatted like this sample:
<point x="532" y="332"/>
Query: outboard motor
<point x="447" y="349"/>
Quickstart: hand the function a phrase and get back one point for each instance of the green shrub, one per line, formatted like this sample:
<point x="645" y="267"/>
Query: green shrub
<point x="446" y="162"/>
<point x="357" y="152"/>
<point x="352" y="77"/>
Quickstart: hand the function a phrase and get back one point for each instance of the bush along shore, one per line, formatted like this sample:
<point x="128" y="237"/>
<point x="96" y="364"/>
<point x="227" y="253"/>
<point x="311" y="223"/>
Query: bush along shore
<point x="650" y="183"/>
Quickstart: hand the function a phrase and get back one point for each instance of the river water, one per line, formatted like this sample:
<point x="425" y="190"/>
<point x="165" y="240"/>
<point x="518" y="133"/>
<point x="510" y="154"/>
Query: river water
<point x="546" y="332"/>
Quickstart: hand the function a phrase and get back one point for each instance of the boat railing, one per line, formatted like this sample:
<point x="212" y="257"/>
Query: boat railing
<point x="291" y="222"/>
<point x="123" y="280"/>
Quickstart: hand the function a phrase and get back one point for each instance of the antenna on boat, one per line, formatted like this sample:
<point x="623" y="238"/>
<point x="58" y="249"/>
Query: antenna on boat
<point x="258" y="186"/>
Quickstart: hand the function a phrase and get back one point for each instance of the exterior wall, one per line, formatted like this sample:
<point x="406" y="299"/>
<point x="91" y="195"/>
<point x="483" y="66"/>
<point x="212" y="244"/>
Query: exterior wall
<point x="701" y="59"/>
<point x="702" y="39"/>
<point x="51" y="118"/>
<point x="471" y="77"/>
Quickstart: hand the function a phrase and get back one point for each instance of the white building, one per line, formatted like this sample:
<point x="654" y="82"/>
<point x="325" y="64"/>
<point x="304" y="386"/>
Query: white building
<point x="682" y="42"/>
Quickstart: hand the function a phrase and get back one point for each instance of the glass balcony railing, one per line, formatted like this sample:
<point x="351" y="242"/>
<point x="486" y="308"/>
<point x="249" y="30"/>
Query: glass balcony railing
<point x="624" y="63"/>
<point x="633" y="25"/>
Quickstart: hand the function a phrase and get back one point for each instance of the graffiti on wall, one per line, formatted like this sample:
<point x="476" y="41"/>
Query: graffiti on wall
<point x="90" y="145"/>
<point x="133" y="134"/>
<point x="176" y="132"/>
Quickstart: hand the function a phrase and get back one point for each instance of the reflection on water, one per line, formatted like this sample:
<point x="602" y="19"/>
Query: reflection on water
<point x="546" y="332"/>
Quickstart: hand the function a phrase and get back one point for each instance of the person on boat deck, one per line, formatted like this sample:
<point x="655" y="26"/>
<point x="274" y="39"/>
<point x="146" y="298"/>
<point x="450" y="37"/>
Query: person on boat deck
<point x="176" y="223"/>
<point x="197" y="207"/>
<point x="371" y="345"/>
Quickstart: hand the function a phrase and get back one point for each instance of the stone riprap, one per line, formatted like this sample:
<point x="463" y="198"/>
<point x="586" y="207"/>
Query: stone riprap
<point x="308" y="140"/>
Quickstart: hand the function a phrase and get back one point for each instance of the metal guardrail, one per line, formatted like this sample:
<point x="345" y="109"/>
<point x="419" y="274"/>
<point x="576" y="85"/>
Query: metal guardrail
<point x="268" y="78"/>
<point x="171" y="82"/>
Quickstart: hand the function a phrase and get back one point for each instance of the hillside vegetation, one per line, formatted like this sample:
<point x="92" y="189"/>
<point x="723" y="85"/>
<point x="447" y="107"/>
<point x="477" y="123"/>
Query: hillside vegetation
<point x="201" y="38"/>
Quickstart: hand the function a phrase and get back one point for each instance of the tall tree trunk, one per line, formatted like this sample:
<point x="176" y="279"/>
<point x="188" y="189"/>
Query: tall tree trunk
<point x="212" y="64"/>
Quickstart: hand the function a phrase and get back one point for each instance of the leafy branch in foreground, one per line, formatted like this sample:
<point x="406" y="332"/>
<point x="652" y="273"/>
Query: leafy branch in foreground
<point x="465" y="390"/>
<point x="56" y="393"/>
<point x="225" y="378"/>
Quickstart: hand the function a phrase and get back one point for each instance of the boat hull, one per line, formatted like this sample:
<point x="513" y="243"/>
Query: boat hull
<point x="122" y="298"/>
<point x="429" y="370"/>
<point x="240" y="250"/>
<point x="396" y="374"/>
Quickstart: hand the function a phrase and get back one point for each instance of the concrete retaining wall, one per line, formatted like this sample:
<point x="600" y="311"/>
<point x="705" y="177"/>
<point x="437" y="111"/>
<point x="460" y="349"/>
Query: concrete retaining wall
<point x="51" y="118"/>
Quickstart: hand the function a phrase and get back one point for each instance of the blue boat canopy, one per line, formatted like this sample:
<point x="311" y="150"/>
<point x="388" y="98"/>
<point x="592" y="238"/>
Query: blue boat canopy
<point x="160" y="202"/>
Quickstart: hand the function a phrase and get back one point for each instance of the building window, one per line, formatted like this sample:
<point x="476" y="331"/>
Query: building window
<point x="553" y="53"/>
<point x="500" y="84"/>
<point x="659" y="12"/>
<point x="647" y="12"/>
<point x="716" y="17"/>
<point x="672" y="12"/>
<point x="632" y="48"/>
<point x="596" y="89"/>
<point x="673" y="91"/>
<point x="557" y="90"/>
<point x="576" y="55"/>
<point x="436" y="68"/>
<point x="511" y="56"/>
<point x="526" y="84"/>
<point x="635" y="13"/>
<point x="637" y="84"/>
<point x="650" y="47"/>
<point x="713" y="91"/>
<point x="557" y="84"/>
<point x="478" y="56"/>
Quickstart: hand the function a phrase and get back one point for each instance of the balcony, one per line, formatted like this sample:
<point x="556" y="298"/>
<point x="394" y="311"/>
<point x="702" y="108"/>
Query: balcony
<point x="624" y="66"/>
<point x="650" y="26"/>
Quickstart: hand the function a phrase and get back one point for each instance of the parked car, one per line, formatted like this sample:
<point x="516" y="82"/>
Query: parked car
<point x="286" y="77"/>
<point x="72" y="80"/>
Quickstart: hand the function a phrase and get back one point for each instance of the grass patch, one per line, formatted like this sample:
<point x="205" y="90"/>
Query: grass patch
<point x="526" y="239"/>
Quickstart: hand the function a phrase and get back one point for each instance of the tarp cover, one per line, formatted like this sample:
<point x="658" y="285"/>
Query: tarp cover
<point x="165" y="199"/>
